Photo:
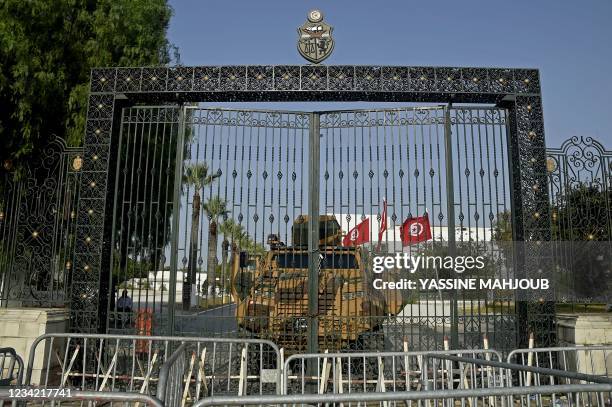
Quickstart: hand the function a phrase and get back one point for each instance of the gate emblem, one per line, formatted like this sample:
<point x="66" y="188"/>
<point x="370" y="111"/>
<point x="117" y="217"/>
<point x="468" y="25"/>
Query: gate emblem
<point x="315" y="42"/>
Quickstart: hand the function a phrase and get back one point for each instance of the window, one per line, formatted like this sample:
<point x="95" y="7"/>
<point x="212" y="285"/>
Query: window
<point x="292" y="261"/>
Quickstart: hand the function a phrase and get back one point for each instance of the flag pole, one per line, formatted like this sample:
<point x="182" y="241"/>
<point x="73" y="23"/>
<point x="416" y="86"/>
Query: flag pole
<point x="380" y="225"/>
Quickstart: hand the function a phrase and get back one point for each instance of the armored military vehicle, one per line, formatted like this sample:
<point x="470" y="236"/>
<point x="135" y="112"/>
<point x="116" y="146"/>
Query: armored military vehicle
<point x="271" y="292"/>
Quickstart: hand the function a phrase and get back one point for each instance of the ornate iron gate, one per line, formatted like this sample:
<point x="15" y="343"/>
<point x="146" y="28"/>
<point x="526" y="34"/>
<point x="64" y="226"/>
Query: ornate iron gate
<point x="580" y="190"/>
<point x="38" y="205"/>
<point x="230" y="222"/>
<point x="112" y="89"/>
<point x="449" y="163"/>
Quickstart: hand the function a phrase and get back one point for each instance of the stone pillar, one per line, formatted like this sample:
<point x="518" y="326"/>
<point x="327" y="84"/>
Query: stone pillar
<point x="587" y="330"/>
<point x="19" y="327"/>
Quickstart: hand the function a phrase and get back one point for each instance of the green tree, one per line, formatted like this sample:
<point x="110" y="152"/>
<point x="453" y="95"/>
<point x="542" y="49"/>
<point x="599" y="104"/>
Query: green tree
<point x="247" y="244"/>
<point x="198" y="177"/>
<point x="502" y="227"/>
<point x="583" y="213"/>
<point x="47" y="49"/>
<point x="581" y="222"/>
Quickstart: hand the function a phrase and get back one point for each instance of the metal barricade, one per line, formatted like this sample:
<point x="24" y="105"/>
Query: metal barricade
<point x="133" y="363"/>
<point x="498" y="396"/>
<point x="583" y="364"/>
<point x="171" y="378"/>
<point x="11" y="367"/>
<point x="514" y="370"/>
<point x="364" y="372"/>
<point x="593" y="360"/>
<point x="38" y="397"/>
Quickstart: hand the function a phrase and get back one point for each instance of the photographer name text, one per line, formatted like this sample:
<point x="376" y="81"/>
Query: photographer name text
<point x="458" y="264"/>
<point x="463" y="284"/>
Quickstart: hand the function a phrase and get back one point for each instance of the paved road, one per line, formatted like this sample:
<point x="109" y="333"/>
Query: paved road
<point x="219" y="321"/>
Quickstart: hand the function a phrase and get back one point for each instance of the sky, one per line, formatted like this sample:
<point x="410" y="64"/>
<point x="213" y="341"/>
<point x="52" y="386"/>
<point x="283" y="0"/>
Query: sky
<point x="568" y="41"/>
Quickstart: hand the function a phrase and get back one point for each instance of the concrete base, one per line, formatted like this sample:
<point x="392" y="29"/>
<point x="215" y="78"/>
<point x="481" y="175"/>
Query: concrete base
<point x="585" y="330"/>
<point x="19" y="327"/>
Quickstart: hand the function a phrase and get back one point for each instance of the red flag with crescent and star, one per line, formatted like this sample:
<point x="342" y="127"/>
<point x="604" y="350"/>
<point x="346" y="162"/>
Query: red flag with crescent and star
<point x="358" y="235"/>
<point x="416" y="230"/>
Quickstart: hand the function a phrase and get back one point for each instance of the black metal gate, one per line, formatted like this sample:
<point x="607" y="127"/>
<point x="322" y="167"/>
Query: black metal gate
<point x="450" y="163"/>
<point x="580" y="190"/>
<point x="38" y="210"/>
<point x="230" y="222"/>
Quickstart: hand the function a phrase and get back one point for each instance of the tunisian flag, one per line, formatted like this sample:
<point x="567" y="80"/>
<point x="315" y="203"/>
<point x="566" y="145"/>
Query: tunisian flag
<point x="358" y="235"/>
<point x="415" y="230"/>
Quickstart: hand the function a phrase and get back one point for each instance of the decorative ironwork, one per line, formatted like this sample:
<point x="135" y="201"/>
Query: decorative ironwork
<point x="37" y="229"/>
<point x="517" y="90"/>
<point x="580" y="190"/>
<point x="406" y="157"/>
<point x="259" y="163"/>
<point x="437" y="83"/>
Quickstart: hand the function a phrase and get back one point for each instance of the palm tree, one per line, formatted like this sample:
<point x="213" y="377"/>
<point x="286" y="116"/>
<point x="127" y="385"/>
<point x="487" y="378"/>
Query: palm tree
<point x="245" y="243"/>
<point x="214" y="208"/>
<point x="198" y="176"/>
<point x="231" y="232"/>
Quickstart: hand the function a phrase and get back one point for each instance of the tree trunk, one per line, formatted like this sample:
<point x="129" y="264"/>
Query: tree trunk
<point x="190" y="277"/>
<point x="212" y="258"/>
<point x="224" y="250"/>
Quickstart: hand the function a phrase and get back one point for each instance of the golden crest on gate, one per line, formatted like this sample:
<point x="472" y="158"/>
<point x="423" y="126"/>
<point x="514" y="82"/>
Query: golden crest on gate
<point x="315" y="42"/>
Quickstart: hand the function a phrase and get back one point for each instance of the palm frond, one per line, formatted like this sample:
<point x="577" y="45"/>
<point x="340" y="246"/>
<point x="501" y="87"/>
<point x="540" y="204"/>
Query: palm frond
<point x="231" y="229"/>
<point x="215" y="207"/>
<point x="197" y="175"/>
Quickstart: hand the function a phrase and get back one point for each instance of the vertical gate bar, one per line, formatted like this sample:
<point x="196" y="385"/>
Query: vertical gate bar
<point x="450" y="209"/>
<point x="516" y="215"/>
<point x="140" y="207"/>
<point x="178" y="173"/>
<point x="115" y="202"/>
<point x="313" y="232"/>
<point x="148" y="189"/>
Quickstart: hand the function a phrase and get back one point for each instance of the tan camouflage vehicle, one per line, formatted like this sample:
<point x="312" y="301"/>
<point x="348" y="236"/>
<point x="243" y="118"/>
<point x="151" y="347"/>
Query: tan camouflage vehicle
<point x="271" y="293"/>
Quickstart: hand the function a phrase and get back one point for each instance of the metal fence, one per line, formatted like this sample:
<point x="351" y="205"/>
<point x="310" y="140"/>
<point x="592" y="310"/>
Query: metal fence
<point x="196" y="186"/>
<point x="591" y="360"/>
<point x="580" y="395"/>
<point x="171" y="245"/>
<point x="38" y="210"/>
<point x="514" y="375"/>
<point x="572" y="395"/>
<point x="211" y="371"/>
<point x="173" y="386"/>
<point x="382" y="371"/>
<point x="580" y="191"/>
<point x="170" y="367"/>
<point x="11" y="367"/>
<point x="440" y="374"/>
